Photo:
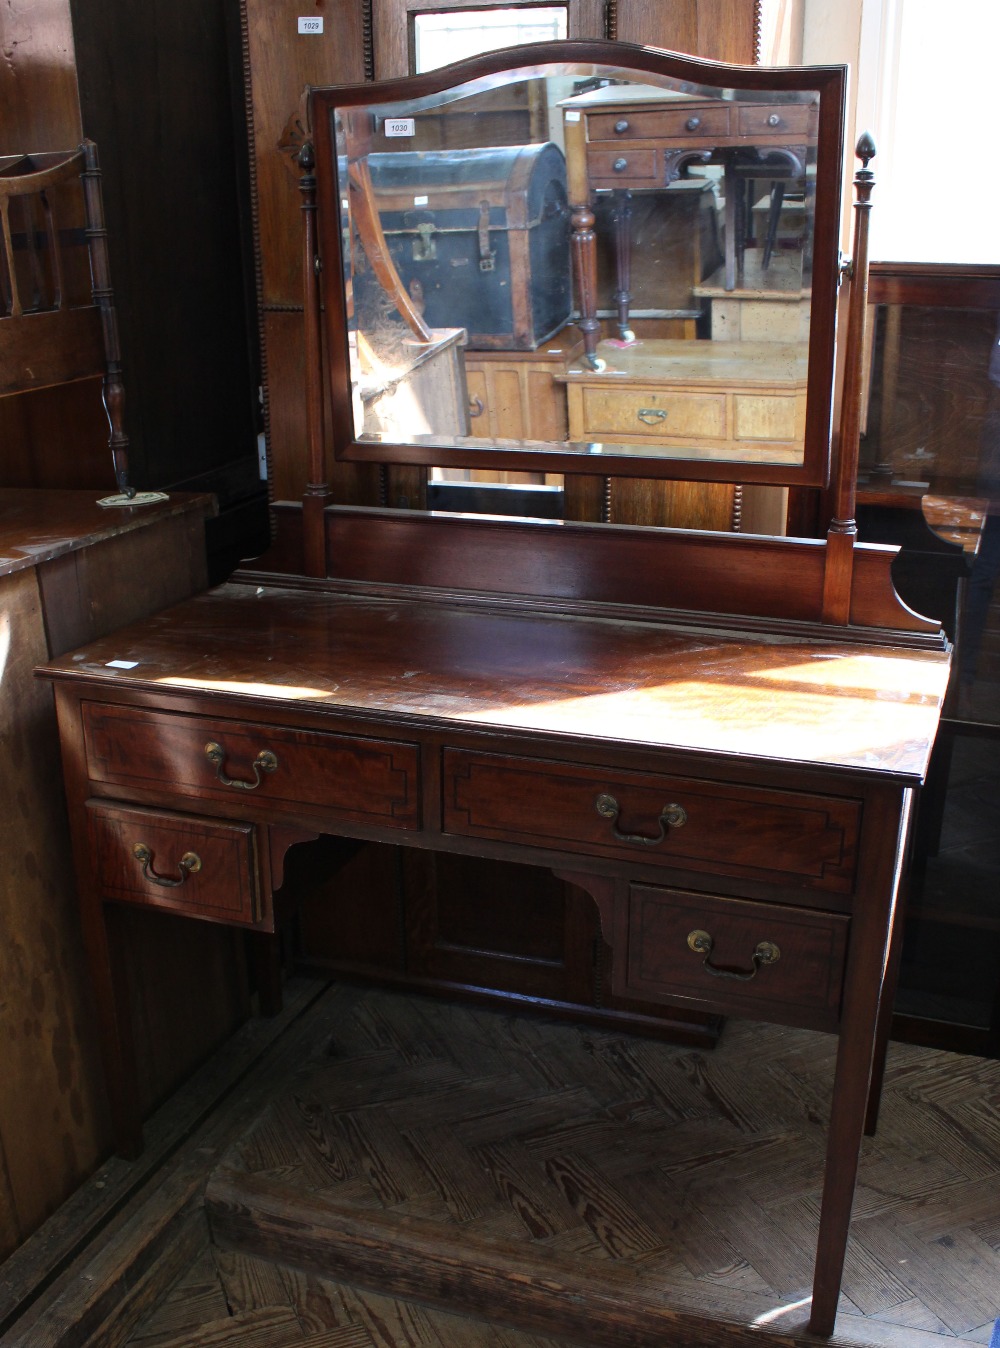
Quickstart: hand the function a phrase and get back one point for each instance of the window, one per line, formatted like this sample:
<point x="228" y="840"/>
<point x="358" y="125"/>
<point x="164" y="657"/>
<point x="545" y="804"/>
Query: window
<point x="938" y="192"/>
<point x="453" y="35"/>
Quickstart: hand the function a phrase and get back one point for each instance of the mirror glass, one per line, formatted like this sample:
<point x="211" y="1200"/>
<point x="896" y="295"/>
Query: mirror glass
<point x="579" y="262"/>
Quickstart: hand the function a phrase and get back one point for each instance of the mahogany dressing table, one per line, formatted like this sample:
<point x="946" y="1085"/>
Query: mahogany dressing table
<point x="718" y="738"/>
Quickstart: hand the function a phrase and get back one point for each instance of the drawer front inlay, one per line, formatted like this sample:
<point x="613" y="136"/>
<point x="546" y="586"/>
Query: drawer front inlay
<point x="200" y="867"/>
<point x="623" y="167"/>
<point x="719" y="827"/>
<point x="780" y="119"/>
<point x="369" y="780"/>
<point x="653" y="412"/>
<point x="679" y="124"/>
<point x="755" y="958"/>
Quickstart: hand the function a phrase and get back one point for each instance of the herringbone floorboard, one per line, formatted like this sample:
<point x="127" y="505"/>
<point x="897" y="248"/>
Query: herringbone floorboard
<point x="687" y="1179"/>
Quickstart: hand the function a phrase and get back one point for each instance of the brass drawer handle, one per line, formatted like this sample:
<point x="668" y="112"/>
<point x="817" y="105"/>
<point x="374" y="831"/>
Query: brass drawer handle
<point x="188" y="864"/>
<point x="766" y="952"/>
<point x="692" y="124"/>
<point x="620" y="165"/>
<point x="265" y="761"/>
<point x="476" y="407"/>
<point x="621" y="126"/>
<point x="671" y="816"/>
<point x="652" y="416"/>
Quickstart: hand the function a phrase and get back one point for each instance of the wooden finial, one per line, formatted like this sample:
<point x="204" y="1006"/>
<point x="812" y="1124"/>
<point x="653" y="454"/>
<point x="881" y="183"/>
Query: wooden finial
<point x="865" y="148"/>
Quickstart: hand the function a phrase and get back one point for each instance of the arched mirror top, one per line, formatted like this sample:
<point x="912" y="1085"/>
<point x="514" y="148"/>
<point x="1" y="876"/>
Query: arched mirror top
<point x="657" y="234"/>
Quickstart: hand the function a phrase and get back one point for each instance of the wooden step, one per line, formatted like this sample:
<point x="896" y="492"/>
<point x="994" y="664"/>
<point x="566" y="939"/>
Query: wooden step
<point x="589" y="1185"/>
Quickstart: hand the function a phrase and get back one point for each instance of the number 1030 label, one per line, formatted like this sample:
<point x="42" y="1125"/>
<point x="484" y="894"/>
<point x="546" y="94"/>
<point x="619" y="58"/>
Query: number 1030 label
<point x="311" y="25"/>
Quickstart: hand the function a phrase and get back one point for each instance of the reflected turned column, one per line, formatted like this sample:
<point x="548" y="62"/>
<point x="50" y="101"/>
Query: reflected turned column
<point x="622" y="208"/>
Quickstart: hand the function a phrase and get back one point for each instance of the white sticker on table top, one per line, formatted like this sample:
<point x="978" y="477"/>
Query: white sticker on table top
<point x="311" y="24"/>
<point x="421" y="201"/>
<point x="572" y="116"/>
<point x="400" y="126"/>
<point x="121" y="664"/>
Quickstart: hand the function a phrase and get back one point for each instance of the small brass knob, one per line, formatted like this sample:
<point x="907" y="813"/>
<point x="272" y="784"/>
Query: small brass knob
<point x="693" y="123"/>
<point x="620" y="165"/>
<point x="621" y="126"/>
<point x="774" y="120"/>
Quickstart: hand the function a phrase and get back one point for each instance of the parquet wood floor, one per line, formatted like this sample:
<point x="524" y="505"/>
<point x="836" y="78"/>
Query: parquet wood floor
<point x="496" y="1181"/>
<point x="620" y="1190"/>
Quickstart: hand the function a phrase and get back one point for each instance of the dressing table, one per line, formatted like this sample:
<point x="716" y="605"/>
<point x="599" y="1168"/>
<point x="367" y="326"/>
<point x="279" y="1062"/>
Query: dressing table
<point x="719" y="738"/>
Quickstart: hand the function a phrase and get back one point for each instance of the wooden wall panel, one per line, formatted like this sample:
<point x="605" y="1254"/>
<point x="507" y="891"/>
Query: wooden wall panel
<point x="721" y="30"/>
<point x="56" y="437"/>
<point x="278" y="64"/>
<point x="680" y="505"/>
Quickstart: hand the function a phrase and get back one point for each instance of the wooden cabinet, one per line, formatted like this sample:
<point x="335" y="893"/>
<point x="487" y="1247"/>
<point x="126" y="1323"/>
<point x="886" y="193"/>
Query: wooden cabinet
<point x="735" y="806"/>
<point x="519" y="395"/>
<point x="696" y="399"/>
<point x="70" y="571"/>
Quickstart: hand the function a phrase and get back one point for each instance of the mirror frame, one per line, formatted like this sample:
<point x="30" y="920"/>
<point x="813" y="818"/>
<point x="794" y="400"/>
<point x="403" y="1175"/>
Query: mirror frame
<point x="592" y="57"/>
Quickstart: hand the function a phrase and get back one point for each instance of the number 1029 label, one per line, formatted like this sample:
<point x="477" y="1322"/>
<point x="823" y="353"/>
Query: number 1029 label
<point x="311" y="24"/>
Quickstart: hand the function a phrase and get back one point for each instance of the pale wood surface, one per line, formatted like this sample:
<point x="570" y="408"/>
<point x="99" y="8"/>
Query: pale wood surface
<point x="719" y="364"/>
<point x="836" y="704"/>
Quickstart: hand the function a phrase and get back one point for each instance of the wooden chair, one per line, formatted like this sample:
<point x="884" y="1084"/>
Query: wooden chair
<point x="57" y="315"/>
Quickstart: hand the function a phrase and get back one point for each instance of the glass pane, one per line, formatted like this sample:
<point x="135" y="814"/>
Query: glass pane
<point x="645" y="247"/>
<point x="454" y="34"/>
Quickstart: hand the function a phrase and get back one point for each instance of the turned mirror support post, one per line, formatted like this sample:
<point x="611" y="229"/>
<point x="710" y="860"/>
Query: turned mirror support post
<point x="843" y="528"/>
<point x="317" y="492"/>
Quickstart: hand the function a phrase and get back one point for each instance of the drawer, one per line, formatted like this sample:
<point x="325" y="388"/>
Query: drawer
<point x="201" y="867"/>
<point x="781" y="119"/>
<point x="720" y="827"/>
<point x="368" y="780"/>
<point x="653" y="412"/>
<point x="678" y="124"/>
<point x="745" y="958"/>
<point x="769" y="416"/>
<point x="623" y="168"/>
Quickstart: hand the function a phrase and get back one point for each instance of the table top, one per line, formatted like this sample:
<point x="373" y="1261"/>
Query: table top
<point x="37" y="525"/>
<point x="836" y="704"/>
<point x="718" y="364"/>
